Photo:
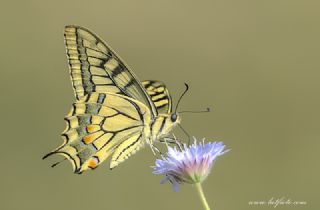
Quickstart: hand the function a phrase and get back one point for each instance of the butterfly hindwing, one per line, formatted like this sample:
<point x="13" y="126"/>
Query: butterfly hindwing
<point x="95" y="67"/>
<point x="127" y="148"/>
<point x="159" y="95"/>
<point x="100" y="125"/>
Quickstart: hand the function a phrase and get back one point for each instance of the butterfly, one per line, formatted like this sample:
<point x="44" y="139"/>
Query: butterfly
<point x="114" y="114"/>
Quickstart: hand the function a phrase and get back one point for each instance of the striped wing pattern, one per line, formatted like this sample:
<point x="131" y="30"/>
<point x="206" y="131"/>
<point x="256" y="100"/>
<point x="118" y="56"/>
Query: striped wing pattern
<point x="159" y="95"/>
<point x="95" y="67"/>
<point x="99" y="125"/>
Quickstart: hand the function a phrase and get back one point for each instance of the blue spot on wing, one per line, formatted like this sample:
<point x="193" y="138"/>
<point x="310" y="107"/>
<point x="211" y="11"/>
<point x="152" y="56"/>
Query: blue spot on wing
<point x="101" y="98"/>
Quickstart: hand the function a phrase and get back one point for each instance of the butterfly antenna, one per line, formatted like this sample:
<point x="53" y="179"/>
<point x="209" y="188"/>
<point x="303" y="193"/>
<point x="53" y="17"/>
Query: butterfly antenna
<point x="185" y="91"/>
<point x="202" y="111"/>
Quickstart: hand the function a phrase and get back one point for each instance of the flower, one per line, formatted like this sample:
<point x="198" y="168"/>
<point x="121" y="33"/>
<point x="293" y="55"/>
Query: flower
<point x="188" y="164"/>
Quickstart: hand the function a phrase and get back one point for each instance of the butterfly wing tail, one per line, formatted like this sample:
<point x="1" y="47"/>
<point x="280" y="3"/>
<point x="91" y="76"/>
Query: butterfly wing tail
<point x="83" y="132"/>
<point x="98" y="125"/>
<point x="78" y="138"/>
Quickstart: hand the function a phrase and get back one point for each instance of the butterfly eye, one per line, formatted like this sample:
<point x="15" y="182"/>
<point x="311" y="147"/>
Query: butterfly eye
<point x="173" y="117"/>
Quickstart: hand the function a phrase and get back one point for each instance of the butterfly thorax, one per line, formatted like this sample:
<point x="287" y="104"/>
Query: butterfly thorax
<point x="163" y="124"/>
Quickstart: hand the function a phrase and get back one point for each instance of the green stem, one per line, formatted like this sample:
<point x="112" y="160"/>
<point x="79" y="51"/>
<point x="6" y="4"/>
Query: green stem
<point x="202" y="196"/>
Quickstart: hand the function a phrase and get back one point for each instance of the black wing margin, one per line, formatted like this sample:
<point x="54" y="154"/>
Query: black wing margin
<point x="95" y="67"/>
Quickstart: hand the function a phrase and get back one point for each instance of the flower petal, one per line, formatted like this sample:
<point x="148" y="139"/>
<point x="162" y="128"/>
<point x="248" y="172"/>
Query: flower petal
<point x="191" y="164"/>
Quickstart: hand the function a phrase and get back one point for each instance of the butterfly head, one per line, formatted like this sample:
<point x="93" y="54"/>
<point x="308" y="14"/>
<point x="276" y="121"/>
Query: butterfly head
<point x="174" y="120"/>
<point x="174" y="117"/>
<point x="163" y="124"/>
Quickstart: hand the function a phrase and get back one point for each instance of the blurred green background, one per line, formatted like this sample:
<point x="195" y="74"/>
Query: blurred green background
<point x="256" y="63"/>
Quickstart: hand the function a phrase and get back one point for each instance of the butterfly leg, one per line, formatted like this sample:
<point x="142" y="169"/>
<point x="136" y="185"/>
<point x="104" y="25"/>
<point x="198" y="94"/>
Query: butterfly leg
<point x="168" y="140"/>
<point x="172" y="141"/>
<point x="155" y="150"/>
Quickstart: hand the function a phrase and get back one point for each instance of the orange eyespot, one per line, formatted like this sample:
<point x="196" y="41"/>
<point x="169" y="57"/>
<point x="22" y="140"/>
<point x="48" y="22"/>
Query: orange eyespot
<point x="91" y="128"/>
<point x="88" y="139"/>
<point x="92" y="164"/>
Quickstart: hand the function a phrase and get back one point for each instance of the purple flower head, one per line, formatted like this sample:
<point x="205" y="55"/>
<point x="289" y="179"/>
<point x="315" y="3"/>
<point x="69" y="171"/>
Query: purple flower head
<point x="188" y="164"/>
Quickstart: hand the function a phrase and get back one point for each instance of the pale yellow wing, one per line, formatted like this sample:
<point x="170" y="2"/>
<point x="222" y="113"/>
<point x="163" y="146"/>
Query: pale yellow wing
<point x="100" y="125"/>
<point x="159" y="95"/>
<point x="95" y="67"/>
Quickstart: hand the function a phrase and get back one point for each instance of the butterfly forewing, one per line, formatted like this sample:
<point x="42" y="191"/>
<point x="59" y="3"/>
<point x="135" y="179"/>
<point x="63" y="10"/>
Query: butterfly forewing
<point x="95" y="67"/>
